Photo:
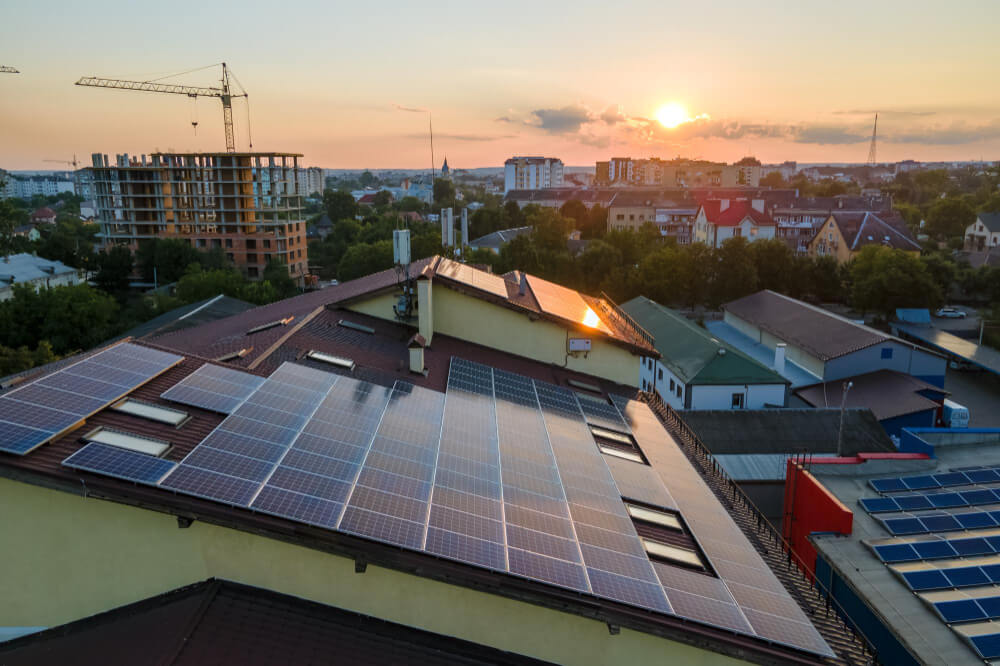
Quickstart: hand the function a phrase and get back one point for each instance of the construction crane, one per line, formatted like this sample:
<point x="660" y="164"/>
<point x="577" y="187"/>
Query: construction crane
<point x="223" y="93"/>
<point x="4" y="69"/>
<point x="72" y="163"/>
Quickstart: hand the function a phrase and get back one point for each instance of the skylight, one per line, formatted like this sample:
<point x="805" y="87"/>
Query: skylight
<point x="331" y="359"/>
<point x="146" y="410"/>
<point x="673" y="554"/>
<point x="357" y="327"/>
<point x="660" y="518"/>
<point x="124" y="440"/>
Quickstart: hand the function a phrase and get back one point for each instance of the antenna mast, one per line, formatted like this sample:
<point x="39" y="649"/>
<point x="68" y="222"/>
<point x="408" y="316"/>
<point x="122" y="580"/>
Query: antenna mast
<point x="871" y="150"/>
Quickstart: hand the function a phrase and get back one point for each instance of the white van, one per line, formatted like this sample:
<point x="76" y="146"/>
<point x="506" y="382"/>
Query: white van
<point x="954" y="415"/>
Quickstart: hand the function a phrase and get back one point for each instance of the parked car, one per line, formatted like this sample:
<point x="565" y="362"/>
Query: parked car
<point x="950" y="313"/>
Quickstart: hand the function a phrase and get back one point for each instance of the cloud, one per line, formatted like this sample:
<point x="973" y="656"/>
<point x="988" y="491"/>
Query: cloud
<point x="410" y="109"/>
<point x="462" y="137"/>
<point x="503" y="119"/>
<point x="613" y="115"/>
<point x="827" y="135"/>
<point x="950" y="135"/>
<point x="566" y="120"/>
<point x="885" y="113"/>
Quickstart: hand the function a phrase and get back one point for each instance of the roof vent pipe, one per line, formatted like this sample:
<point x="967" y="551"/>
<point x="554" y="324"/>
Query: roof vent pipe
<point x="779" y="358"/>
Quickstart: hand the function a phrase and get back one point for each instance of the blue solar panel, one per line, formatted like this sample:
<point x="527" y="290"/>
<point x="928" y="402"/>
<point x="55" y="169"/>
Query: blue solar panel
<point x="214" y="388"/>
<point x="920" y="482"/>
<point x="983" y="476"/>
<point x="966" y="576"/>
<point x="962" y="610"/>
<point x="940" y="523"/>
<point x="913" y="502"/>
<point x="946" y="500"/>
<point x="904" y="526"/>
<point x="897" y="552"/>
<point x="119" y="463"/>
<point x="991" y="606"/>
<point x="887" y="485"/>
<point x="932" y="579"/>
<point x="975" y="520"/>
<point x="987" y="645"/>
<point x="879" y="504"/>
<point x="970" y="547"/>
<point x="993" y="571"/>
<point x="974" y="497"/>
<point x="931" y="550"/>
<point x="951" y="479"/>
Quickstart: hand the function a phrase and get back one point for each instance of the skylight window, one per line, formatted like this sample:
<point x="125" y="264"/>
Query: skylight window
<point x="338" y="361"/>
<point x="617" y="444"/>
<point x="660" y="518"/>
<point x="673" y="554"/>
<point x="129" y="441"/>
<point x="357" y="327"/>
<point x="665" y="537"/>
<point x="272" y="324"/>
<point x="146" y="410"/>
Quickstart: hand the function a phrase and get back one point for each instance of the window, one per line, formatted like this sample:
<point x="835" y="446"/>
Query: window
<point x="738" y="401"/>
<point x="617" y="444"/>
<point x="229" y="242"/>
<point x="150" y="411"/>
<point x="252" y="271"/>
<point x="671" y="385"/>
<point x="124" y="440"/>
<point x="665" y="537"/>
<point x="659" y="374"/>
<point x="887" y="352"/>
<point x="267" y="243"/>
<point x="200" y="242"/>
<point x="678" y="390"/>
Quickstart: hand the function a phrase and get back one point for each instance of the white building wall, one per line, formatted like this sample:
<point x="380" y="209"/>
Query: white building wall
<point x="903" y="359"/>
<point x="755" y="396"/>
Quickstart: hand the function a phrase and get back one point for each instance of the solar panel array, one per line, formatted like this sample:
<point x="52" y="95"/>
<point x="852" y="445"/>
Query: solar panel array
<point x="960" y="573"/>
<point x="120" y="463"/>
<point x="214" y="388"/>
<point x="37" y="412"/>
<point x="500" y="472"/>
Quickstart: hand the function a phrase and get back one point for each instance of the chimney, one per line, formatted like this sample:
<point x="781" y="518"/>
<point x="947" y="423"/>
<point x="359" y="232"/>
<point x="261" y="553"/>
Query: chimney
<point x="522" y="288"/>
<point x="723" y="204"/>
<point x="757" y="205"/>
<point x="425" y="310"/>
<point x="465" y="227"/>
<point x="416" y="348"/>
<point x="779" y="358"/>
<point x="444" y="227"/>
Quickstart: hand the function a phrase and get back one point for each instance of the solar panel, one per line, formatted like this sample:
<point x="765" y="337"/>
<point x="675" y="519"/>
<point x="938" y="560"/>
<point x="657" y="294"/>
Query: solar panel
<point x="966" y="576"/>
<point x="975" y="520"/>
<point x="962" y="610"/>
<point x="940" y="523"/>
<point x="887" y="485"/>
<point x="119" y="463"/>
<point x="987" y="645"/>
<point x="33" y="414"/>
<point x="902" y="552"/>
<point x="925" y="580"/>
<point x="970" y="547"/>
<point x="920" y="482"/>
<point x="946" y="500"/>
<point x="214" y="388"/>
<point x="879" y="504"/>
<point x="903" y="526"/>
<point x="983" y="476"/>
<point x="601" y="413"/>
<point x="913" y="502"/>
<point x="951" y="479"/>
<point x="931" y="550"/>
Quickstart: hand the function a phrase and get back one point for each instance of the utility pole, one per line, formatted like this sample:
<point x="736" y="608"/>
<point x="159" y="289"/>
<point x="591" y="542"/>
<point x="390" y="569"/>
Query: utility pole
<point x="840" y="431"/>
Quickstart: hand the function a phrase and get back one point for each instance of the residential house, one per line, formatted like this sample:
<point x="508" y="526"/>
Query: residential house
<point x="43" y="215"/>
<point x="719" y="220"/>
<point x="40" y="273"/>
<point x="843" y="235"/>
<point x="799" y="219"/>
<point x="28" y="231"/>
<point x="820" y="346"/>
<point x="697" y="370"/>
<point x="984" y="233"/>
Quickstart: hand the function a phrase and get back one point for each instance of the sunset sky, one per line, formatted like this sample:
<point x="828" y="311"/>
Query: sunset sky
<point x="347" y="85"/>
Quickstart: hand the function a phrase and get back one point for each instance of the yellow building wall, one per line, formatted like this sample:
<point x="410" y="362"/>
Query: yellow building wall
<point x="494" y="326"/>
<point x="377" y="306"/>
<point x="69" y="557"/>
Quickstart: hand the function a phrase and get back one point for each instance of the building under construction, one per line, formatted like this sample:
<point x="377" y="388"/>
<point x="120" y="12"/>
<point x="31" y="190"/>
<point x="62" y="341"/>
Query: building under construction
<point x="249" y="205"/>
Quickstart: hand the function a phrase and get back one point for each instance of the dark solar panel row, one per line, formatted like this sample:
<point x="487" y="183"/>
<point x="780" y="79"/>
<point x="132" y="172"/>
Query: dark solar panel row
<point x="937" y="549"/>
<point x="939" y="579"/>
<point x="120" y="463"/>
<point x="940" y="500"/>
<point x="941" y="522"/>
<point x="214" y="388"/>
<point x="987" y="645"/>
<point x="928" y="481"/>
<point x="601" y="413"/>
<point x="969" y="610"/>
<point x="35" y="413"/>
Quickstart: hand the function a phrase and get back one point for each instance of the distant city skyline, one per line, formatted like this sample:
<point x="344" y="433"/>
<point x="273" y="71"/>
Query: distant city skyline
<point x="351" y="87"/>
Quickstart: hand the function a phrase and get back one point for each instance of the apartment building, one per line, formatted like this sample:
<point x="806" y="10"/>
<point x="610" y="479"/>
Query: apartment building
<point x="25" y="187"/>
<point x="678" y="172"/>
<point x="532" y="173"/>
<point x="249" y="205"/>
<point x="312" y="181"/>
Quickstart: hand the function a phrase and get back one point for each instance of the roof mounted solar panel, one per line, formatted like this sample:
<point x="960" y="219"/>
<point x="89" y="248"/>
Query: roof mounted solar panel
<point x="966" y="576"/>
<point x="975" y="520"/>
<point x="931" y="579"/>
<point x="961" y="610"/>
<point x="896" y="552"/>
<point x="899" y="526"/>
<point x="951" y="479"/>
<point x="946" y="500"/>
<point x="971" y="547"/>
<point x="913" y="502"/>
<point x="933" y="550"/>
<point x="887" y="485"/>
<point x="214" y="388"/>
<point x="922" y="482"/>
<point x="987" y="645"/>
<point x="941" y="523"/>
<point x="983" y="475"/>
<point x="120" y="463"/>
<point x="976" y="497"/>
<point x="879" y="504"/>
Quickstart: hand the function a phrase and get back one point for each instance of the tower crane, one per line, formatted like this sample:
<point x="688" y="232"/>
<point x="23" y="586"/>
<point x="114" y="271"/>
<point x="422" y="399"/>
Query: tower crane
<point x="223" y="93"/>
<point x="72" y="163"/>
<point x="4" y="69"/>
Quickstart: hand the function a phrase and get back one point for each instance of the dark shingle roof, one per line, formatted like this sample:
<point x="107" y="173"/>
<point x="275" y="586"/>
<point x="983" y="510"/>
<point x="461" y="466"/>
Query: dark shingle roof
<point x="498" y="239"/>
<point x="817" y="331"/>
<point x="692" y="353"/>
<point x="860" y="229"/>
<point x="886" y="392"/>
<point x="220" y="622"/>
<point x="991" y="221"/>
<point x="767" y="431"/>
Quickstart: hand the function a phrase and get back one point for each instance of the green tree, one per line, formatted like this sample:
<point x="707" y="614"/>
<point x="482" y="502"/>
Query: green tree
<point x="911" y="215"/>
<point x="71" y="318"/>
<point x="775" y="264"/>
<point x="22" y="358"/>
<point x="276" y="273"/>
<point x="576" y="211"/>
<point x="601" y="269"/>
<point x="365" y="258"/>
<point x="942" y="270"/>
<point x="165" y="259"/>
<point x="773" y="179"/>
<point x="382" y="198"/>
<point x="339" y="205"/>
<point x="949" y="217"/>
<point x="114" y="269"/>
<point x="884" y="279"/>
<point x="197" y="284"/>
<point x="444" y="193"/>
<point x="735" y="271"/>
<point x="10" y="219"/>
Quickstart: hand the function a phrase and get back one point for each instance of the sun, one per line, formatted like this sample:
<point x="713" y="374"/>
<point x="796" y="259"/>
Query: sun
<point x="671" y="115"/>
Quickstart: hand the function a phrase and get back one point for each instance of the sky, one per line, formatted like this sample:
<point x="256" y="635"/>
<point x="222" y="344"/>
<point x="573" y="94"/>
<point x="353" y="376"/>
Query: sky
<point x="354" y="86"/>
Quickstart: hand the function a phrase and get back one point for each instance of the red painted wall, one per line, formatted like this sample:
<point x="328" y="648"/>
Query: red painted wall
<point x="809" y="508"/>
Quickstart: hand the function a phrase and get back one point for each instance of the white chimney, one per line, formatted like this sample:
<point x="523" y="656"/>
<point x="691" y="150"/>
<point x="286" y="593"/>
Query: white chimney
<point x="758" y="205"/>
<point x="779" y="358"/>
<point x="522" y="288"/>
<point x="723" y="204"/>
<point x="416" y="349"/>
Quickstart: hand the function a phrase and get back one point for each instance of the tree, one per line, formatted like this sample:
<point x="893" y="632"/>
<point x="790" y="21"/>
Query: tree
<point x="276" y="273"/>
<point x="367" y="179"/>
<point x="735" y="271"/>
<point x="910" y="214"/>
<point x="884" y="279"/>
<point x="9" y="220"/>
<point x="601" y="269"/>
<point x="773" y="179"/>
<point x="114" y="269"/>
<point x="165" y="260"/>
<point x="444" y="193"/>
<point x="70" y="317"/>
<point x="576" y="211"/>
<point x="382" y="198"/>
<point x="949" y="217"/>
<point x="942" y="270"/>
<point x="597" y="222"/>
<point x="339" y="205"/>
<point x="513" y="215"/>
<point x="198" y="285"/>
<point x="365" y="258"/>
<point x="774" y="262"/>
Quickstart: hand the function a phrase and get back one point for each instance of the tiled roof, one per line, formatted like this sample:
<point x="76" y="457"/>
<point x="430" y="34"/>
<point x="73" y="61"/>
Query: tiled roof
<point x="692" y="353"/>
<point x="860" y="229"/>
<point x="221" y="622"/>
<point x="886" y="392"/>
<point x="734" y="214"/>
<point x="45" y="211"/>
<point x="817" y="331"/>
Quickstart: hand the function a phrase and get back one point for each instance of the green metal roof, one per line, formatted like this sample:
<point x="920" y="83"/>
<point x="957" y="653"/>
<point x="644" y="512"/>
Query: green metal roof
<point x="691" y="352"/>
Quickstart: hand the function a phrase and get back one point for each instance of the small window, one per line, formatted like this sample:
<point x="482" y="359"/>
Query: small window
<point x="665" y="537"/>
<point x="659" y="374"/>
<point x="887" y="352"/>
<point x="617" y="444"/>
<point x="671" y="385"/>
<point x="124" y="440"/>
<point x="146" y="410"/>
<point x="673" y="554"/>
<point x="738" y="401"/>
<point x="656" y="517"/>
<point x="678" y="390"/>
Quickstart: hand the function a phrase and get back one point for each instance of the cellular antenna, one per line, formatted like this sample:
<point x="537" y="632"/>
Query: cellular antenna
<point x="871" y="150"/>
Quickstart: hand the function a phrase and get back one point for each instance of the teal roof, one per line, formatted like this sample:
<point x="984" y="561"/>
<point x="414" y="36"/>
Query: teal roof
<point x="691" y="352"/>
